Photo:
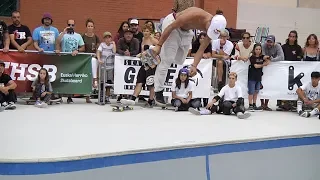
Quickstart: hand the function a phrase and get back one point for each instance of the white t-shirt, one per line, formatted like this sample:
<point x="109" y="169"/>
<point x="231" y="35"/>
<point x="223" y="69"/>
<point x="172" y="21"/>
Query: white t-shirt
<point x="312" y="93"/>
<point x="182" y="92"/>
<point x="230" y="94"/>
<point x="227" y="47"/>
<point x="106" y="50"/>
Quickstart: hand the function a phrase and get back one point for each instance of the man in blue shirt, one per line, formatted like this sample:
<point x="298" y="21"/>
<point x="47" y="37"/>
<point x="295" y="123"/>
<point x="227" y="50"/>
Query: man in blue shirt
<point x="45" y="36"/>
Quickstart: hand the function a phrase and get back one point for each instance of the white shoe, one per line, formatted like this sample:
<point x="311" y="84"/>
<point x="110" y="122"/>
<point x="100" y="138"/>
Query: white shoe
<point x="194" y="111"/>
<point x="37" y="104"/>
<point x="127" y="102"/>
<point x="43" y="105"/>
<point x="244" y="115"/>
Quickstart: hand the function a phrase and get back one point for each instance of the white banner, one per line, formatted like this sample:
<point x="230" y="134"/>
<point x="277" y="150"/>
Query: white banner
<point x="127" y="68"/>
<point x="280" y="80"/>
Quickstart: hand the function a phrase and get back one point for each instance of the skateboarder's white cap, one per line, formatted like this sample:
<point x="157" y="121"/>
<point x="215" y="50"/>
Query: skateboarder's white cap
<point x="218" y="23"/>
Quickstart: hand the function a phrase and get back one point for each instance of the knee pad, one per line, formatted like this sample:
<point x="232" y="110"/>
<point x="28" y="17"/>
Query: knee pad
<point x="227" y="106"/>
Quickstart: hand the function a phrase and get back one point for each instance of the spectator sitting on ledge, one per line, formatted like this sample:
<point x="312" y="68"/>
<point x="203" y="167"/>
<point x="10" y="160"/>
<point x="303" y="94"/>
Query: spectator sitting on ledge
<point x="7" y="86"/>
<point x="128" y="45"/>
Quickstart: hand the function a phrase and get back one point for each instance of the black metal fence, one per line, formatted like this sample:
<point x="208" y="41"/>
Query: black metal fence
<point x="8" y="6"/>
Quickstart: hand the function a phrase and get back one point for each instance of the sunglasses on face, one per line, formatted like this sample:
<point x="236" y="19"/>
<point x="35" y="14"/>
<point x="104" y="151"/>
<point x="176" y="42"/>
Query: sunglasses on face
<point x="71" y="25"/>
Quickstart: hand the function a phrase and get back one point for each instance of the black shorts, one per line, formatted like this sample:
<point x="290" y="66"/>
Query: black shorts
<point x="146" y="77"/>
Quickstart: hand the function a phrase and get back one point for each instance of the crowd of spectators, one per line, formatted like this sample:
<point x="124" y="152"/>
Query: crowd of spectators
<point x="133" y="37"/>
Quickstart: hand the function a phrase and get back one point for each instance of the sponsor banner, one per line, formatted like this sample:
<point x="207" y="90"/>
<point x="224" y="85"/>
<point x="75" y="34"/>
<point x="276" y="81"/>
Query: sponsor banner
<point x="127" y="68"/>
<point x="68" y="74"/>
<point x="280" y="80"/>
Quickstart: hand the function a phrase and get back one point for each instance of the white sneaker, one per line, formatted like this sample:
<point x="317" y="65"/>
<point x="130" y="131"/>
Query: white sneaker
<point x="37" y="104"/>
<point x="127" y="102"/>
<point x="43" y="105"/>
<point x="1" y="108"/>
<point x="194" y="111"/>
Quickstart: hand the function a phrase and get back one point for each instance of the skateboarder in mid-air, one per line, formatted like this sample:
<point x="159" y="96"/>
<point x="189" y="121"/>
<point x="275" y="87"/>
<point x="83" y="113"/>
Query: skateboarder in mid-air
<point x="176" y="38"/>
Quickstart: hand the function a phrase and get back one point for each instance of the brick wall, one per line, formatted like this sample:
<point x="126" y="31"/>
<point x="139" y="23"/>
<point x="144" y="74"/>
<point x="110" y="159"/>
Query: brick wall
<point x="108" y="14"/>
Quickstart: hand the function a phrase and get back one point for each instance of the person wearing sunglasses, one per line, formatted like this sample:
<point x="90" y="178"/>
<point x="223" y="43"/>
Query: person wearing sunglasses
<point x="70" y="41"/>
<point x="244" y="48"/>
<point x="20" y="35"/>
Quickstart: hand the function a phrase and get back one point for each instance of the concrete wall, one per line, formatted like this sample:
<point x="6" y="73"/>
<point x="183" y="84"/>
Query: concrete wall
<point x="294" y="159"/>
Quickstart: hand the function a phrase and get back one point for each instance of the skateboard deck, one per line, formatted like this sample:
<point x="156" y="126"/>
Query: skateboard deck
<point x="32" y="101"/>
<point x="120" y="107"/>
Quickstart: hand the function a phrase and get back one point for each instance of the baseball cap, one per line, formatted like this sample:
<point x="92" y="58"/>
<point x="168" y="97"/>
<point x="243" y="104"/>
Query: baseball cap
<point x="315" y="74"/>
<point x="47" y="15"/>
<point x="1" y="62"/>
<point x="184" y="71"/>
<point x="107" y="33"/>
<point x="271" y="38"/>
<point x="217" y="24"/>
<point x="134" y="21"/>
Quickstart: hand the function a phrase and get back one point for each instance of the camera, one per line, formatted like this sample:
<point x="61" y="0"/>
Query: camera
<point x="70" y="30"/>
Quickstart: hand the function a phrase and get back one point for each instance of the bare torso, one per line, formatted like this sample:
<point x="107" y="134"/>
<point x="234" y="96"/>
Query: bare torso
<point x="194" y="18"/>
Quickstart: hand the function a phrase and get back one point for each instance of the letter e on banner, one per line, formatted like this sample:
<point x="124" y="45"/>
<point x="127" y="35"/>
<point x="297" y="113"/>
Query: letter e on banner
<point x="170" y="75"/>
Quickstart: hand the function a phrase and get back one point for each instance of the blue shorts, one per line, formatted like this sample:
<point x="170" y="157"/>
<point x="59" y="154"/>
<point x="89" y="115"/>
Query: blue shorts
<point x="253" y="86"/>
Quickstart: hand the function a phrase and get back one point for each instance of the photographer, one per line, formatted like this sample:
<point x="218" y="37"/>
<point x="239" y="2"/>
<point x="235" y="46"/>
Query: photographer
<point x="70" y="41"/>
<point x="4" y="37"/>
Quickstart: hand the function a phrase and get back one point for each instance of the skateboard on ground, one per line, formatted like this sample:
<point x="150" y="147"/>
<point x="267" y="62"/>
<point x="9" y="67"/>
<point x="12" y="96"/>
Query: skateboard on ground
<point x="33" y="101"/>
<point x="120" y="107"/>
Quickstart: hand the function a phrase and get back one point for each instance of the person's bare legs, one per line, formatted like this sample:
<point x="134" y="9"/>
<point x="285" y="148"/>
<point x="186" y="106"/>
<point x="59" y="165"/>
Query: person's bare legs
<point x="220" y="70"/>
<point x="250" y="98"/>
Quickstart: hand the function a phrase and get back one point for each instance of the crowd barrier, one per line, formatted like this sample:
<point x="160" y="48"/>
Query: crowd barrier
<point x="73" y="74"/>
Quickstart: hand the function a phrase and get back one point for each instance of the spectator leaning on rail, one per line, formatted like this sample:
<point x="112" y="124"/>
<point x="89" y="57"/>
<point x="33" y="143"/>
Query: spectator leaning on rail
<point x="91" y="43"/>
<point x="274" y="51"/>
<point x="70" y="41"/>
<point x="311" y="49"/>
<point x="221" y="50"/>
<point x="292" y="52"/>
<point x="7" y="86"/>
<point x="4" y="36"/>
<point x="20" y="35"/>
<point x="107" y="48"/>
<point x="128" y="45"/>
<point x="44" y="37"/>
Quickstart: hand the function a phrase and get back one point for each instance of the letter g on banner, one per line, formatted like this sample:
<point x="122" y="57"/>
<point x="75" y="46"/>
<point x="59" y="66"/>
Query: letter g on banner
<point x="129" y="75"/>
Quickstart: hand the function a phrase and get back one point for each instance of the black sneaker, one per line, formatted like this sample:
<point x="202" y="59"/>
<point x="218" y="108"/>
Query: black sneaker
<point x="255" y="108"/>
<point x="160" y="99"/>
<point x="250" y="108"/>
<point x="69" y="100"/>
<point x="306" y="114"/>
<point x="119" y="99"/>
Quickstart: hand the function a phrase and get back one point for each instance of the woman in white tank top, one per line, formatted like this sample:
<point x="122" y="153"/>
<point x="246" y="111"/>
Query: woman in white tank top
<point x="244" y="48"/>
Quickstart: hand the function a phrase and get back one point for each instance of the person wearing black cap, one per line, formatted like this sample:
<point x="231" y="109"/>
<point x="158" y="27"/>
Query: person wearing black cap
<point x="309" y="96"/>
<point x="4" y="37"/>
<point x="274" y="51"/>
<point x="128" y="45"/>
<point x="7" y="86"/>
<point x="44" y="37"/>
